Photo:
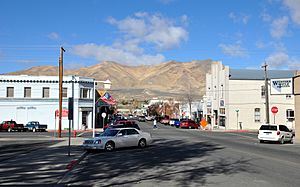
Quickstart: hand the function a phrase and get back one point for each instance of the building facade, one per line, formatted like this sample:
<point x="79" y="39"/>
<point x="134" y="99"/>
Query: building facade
<point x="36" y="98"/>
<point x="235" y="99"/>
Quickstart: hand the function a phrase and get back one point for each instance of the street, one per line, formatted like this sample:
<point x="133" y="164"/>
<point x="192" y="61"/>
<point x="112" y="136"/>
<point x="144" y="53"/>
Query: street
<point x="177" y="157"/>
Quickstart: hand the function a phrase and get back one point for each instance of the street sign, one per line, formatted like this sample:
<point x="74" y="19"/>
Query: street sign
<point x="103" y="114"/>
<point x="274" y="110"/>
<point x="237" y="110"/>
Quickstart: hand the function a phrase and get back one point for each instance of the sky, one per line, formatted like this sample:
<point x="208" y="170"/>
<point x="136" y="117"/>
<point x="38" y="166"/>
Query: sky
<point x="243" y="34"/>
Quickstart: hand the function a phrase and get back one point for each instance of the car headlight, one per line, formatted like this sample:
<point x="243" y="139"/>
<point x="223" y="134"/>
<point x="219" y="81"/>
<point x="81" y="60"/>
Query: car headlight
<point x="98" y="142"/>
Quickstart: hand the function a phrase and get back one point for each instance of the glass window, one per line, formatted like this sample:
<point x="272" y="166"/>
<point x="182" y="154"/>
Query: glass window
<point x="257" y="114"/>
<point x="46" y="92"/>
<point x="268" y="127"/>
<point x="263" y="91"/>
<point x="65" y="92"/>
<point x="84" y="93"/>
<point x="290" y="113"/>
<point x="131" y="131"/>
<point x="10" y="92"/>
<point x="27" y="92"/>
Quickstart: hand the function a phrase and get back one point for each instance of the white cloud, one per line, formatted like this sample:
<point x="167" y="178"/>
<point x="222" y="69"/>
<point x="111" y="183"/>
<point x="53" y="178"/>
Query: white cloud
<point x="53" y="36"/>
<point x="239" y="17"/>
<point x="142" y="29"/>
<point x="234" y="50"/>
<point x="109" y="53"/>
<point x="266" y="17"/>
<point x="279" y="27"/>
<point x="153" y="29"/>
<point x="294" y="8"/>
<point x="281" y="60"/>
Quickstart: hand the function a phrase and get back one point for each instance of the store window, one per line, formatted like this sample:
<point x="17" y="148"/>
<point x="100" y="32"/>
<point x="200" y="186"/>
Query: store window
<point x="257" y="114"/>
<point x="10" y="92"/>
<point x="27" y="92"/>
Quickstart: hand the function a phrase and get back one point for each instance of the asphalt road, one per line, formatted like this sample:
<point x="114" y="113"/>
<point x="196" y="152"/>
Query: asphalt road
<point x="188" y="157"/>
<point x="178" y="157"/>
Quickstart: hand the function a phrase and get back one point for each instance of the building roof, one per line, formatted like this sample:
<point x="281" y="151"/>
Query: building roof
<point x="248" y="74"/>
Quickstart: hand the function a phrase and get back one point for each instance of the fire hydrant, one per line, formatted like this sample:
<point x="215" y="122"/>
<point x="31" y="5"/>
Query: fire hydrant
<point x="74" y="134"/>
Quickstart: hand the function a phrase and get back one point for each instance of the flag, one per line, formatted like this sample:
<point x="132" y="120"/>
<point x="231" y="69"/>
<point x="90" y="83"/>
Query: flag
<point x="108" y="99"/>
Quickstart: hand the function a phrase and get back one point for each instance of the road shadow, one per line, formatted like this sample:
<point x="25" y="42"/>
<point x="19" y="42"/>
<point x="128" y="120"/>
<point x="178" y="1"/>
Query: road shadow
<point x="40" y="164"/>
<point x="178" y="161"/>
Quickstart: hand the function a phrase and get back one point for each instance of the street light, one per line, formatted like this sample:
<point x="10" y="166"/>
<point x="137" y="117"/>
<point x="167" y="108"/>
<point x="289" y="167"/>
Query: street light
<point x="106" y="85"/>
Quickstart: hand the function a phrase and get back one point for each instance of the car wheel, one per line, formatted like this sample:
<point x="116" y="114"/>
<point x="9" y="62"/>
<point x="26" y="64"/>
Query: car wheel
<point x="33" y="130"/>
<point x="142" y="143"/>
<point x="292" y="140"/>
<point x="109" y="146"/>
<point x="261" y="141"/>
<point x="282" y="140"/>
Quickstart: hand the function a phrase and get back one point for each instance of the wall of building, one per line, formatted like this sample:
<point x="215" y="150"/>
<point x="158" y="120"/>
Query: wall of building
<point x="297" y="106"/>
<point x="37" y="108"/>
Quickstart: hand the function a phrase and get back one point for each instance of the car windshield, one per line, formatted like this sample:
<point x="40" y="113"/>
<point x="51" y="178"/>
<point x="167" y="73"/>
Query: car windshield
<point x="109" y="132"/>
<point x="268" y="127"/>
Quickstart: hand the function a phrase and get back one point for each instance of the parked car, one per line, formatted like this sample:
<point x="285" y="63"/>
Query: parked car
<point x="11" y="126"/>
<point x="275" y="132"/>
<point x="177" y="123"/>
<point x="165" y="121"/>
<point x="112" y="138"/>
<point x="172" y="121"/>
<point x="142" y="118"/>
<point x="189" y="124"/>
<point x="35" y="126"/>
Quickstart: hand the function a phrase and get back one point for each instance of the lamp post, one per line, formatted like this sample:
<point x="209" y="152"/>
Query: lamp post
<point x="106" y="85"/>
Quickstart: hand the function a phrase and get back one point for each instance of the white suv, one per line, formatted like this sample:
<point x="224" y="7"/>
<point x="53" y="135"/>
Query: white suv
<point x="274" y="132"/>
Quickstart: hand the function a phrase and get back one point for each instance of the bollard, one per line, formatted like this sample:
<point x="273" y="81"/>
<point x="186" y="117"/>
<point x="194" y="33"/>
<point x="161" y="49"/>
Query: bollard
<point x="74" y="134"/>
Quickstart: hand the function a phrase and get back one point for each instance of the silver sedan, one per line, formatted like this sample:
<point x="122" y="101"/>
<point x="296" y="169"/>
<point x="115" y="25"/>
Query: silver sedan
<point x="111" y="139"/>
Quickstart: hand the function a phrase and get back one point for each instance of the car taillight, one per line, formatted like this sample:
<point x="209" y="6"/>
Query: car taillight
<point x="278" y="132"/>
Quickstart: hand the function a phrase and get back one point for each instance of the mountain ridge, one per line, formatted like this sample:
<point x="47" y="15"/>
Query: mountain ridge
<point x="167" y="79"/>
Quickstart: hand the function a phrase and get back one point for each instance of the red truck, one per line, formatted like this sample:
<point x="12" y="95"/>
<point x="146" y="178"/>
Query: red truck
<point x="11" y="126"/>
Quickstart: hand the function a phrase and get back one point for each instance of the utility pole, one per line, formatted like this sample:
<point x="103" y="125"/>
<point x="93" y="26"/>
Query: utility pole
<point x="267" y="94"/>
<point x="60" y="89"/>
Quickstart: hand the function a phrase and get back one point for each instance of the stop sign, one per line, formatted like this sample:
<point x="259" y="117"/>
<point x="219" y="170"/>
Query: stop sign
<point x="274" y="109"/>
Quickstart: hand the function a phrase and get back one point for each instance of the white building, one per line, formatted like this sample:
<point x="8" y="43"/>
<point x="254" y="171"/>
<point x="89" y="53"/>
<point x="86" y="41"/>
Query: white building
<point x="235" y="99"/>
<point x="36" y="98"/>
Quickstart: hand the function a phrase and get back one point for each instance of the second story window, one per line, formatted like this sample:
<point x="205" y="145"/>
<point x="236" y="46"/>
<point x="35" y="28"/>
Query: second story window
<point x="10" y="92"/>
<point x="46" y="92"/>
<point x="65" y="92"/>
<point x="27" y="92"/>
<point x="290" y="114"/>
<point x="84" y="93"/>
<point x="263" y="91"/>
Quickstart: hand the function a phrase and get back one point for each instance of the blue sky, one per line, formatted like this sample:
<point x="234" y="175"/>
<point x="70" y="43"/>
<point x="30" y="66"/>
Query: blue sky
<point x="240" y="33"/>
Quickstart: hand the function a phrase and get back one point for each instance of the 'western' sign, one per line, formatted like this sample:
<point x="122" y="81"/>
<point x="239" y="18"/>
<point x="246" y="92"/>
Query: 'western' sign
<point x="281" y="86"/>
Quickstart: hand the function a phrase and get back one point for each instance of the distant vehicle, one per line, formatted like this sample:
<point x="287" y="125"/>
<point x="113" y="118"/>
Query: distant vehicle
<point x="11" y="125"/>
<point x="130" y="116"/>
<point x="150" y="118"/>
<point x="165" y="120"/>
<point x="123" y="124"/>
<point x="142" y="118"/>
<point x="172" y="121"/>
<point x="275" y="132"/>
<point x="111" y="139"/>
<point x="189" y="124"/>
<point x="35" y="126"/>
<point x="177" y="123"/>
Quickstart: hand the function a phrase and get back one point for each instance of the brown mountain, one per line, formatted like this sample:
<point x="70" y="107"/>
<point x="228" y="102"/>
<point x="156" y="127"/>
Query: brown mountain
<point x="169" y="79"/>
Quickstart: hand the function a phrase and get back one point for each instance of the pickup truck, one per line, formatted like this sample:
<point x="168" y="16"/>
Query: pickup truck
<point x="35" y="126"/>
<point x="11" y="126"/>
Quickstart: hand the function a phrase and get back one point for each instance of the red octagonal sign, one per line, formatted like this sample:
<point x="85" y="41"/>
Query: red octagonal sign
<point x="274" y="109"/>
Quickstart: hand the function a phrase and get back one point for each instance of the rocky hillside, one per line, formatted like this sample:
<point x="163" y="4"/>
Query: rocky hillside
<point x="169" y="79"/>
